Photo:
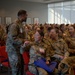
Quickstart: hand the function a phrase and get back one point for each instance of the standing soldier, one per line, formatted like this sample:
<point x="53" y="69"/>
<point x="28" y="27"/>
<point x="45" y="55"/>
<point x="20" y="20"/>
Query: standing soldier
<point x="15" y="40"/>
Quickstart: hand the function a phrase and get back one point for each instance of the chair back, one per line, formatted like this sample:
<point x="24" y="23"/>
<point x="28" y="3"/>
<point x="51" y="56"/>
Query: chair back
<point x="3" y="53"/>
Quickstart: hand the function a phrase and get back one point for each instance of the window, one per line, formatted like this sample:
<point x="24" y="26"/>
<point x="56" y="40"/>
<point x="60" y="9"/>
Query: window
<point x="62" y="12"/>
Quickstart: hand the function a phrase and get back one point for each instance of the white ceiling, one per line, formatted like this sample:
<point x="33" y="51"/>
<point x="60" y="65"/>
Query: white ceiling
<point x="45" y="1"/>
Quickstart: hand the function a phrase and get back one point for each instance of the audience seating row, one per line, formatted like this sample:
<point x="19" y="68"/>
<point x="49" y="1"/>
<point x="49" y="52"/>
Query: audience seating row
<point x="5" y="62"/>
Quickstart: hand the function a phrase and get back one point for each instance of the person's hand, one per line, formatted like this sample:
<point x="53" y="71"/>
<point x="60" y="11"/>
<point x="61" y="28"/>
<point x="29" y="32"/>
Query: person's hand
<point x="41" y="50"/>
<point x="71" y="51"/>
<point x="47" y="62"/>
<point x="26" y="43"/>
<point x="61" y="57"/>
<point x="65" y="57"/>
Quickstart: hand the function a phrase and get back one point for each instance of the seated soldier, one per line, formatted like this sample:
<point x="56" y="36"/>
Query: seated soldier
<point x="38" y="58"/>
<point x="66" y="65"/>
<point x="2" y="36"/>
<point x="58" y="50"/>
<point x="59" y="47"/>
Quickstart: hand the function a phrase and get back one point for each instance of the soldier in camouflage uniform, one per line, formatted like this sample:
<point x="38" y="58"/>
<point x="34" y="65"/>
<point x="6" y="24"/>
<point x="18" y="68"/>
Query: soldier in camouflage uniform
<point x="59" y="47"/>
<point x="69" y="63"/>
<point x="58" y="50"/>
<point x="15" y="40"/>
<point x="37" y="51"/>
<point x="2" y="35"/>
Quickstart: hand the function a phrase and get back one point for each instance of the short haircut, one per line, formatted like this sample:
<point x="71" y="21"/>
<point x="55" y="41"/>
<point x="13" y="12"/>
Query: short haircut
<point x="21" y="12"/>
<point x="41" y="34"/>
<point x="41" y="28"/>
<point x="49" y="28"/>
<point x="56" y="30"/>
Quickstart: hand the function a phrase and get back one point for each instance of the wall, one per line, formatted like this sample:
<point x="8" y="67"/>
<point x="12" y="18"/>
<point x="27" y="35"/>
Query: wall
<point x="9" y="8"/>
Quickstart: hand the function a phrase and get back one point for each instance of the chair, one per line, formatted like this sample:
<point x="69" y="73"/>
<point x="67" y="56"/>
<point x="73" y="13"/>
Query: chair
<point x="3" y="54"/>
<point x="5" y="62"/>
<point x="4" y="58"/>
<point x="26" y="61"/>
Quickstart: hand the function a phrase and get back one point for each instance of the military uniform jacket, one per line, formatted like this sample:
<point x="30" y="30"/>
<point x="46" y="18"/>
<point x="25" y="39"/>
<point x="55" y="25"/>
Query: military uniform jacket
<point x="34" y="51"/>
<point x="58" y="47"/>
<point x="16" y="36"/>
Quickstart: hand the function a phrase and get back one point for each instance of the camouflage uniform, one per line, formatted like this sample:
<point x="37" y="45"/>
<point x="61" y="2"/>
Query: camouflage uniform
<point x="2" y="36"/>
<point x="57" y="48"/>
<point x="15" y="39"/>
<point x="67" y="65"/>
<point x="31" y="33"/>
<point x="35" y="55"/>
